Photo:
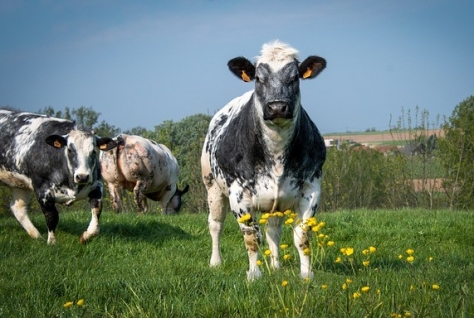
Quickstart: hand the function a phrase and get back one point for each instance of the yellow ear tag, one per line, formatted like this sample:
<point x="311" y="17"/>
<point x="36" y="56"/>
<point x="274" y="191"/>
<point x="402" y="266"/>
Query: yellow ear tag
<point x="245" y="77"/>
<point x="307" y="74"/>
<point x="57" y="144"/>
<point x="103" y="146"/>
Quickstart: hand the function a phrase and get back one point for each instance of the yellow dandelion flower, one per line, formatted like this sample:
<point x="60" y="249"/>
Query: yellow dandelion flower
<point x="356" y="295"/>
<point x="267" y="252"/>
<point x="279" y="214"/>
<point x="259" y="262"/>
<point x="349" y="251"/>
<point x="372" y="249"/>
<point x="343" y="250"/>
<point x="410" y="251"/>
<point x="330" y="243"/>
<point x="283" y="246"/>
<point x="400" y="256"/>
<point x="407" y="314"/>
<point x="262" y="221"/>
<point x="365" y="289"/>
<point x="284" y="283"/>
<point x="287" y="212"/>
<point x="379" y="291"/>
<point x="412" y="287"/>
<point x="80" y="302"/>
<point x="338" y="260"/>
<point x="266" y="216"/>
<point x="289" y="221"/>
<point x="366" y="263"/>
<point x="315" y="229"/>
<point x="321" y="224"/>
<point x="244" y="218"/>
<point x="349" y="281"/>
<point x="324" y="286"/>
<point x="286" y="257"/>
<point x="430" y="259"/>
<point x="435" y="287"/>
<point x="410" y="259"/>
<point x="307" y="251"/>
<point x="311" y="222"/>
<point x="344" y="286"/>
<point x="365" y="252"/>
<point x="321" y="236"/>
<point x="68" y="304"/>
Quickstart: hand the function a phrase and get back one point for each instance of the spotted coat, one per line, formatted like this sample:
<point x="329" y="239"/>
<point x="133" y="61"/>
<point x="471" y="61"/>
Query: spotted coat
<point x="147" y="169"/>
<point x="262" y="153"/>
<point x="62" y="172"/>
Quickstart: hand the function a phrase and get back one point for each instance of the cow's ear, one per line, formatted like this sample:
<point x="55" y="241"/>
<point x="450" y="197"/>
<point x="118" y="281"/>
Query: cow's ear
<point x="311" y="67"/>
<point x="56" y="141"/>
<point x="242" y="68"/>
<point x="106" y="143"/>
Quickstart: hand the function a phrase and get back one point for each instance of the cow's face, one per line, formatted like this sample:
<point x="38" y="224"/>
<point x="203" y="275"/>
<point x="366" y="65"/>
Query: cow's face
<point x="277" y="74"/>
<point x="174" y="205"/>
<point x="81" y="152"/>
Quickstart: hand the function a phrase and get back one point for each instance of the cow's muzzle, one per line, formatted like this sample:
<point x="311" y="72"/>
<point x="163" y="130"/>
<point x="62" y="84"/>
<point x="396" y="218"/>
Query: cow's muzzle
<point x="277" y="110"/>
<point x="81" y="178"/>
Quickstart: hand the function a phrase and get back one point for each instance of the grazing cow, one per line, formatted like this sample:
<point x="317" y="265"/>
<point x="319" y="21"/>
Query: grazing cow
<point x="262" y="153"/>
<point x="147" y="169"/>
<point x="65" y="170"/>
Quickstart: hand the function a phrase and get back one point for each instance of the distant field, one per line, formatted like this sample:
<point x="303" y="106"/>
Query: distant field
<point x="383" y="137"/>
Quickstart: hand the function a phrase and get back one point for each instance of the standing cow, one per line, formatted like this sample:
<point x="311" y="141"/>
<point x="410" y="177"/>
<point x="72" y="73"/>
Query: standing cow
<point x="65" y="170"/>
<point x="263" y="153"/>
<point x="147" y="169"/>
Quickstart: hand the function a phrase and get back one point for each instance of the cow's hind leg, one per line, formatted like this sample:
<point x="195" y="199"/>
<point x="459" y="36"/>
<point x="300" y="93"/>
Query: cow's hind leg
<point x="115" y="197"/>
<point x="218" y="205"/>
<point x="273" y="235"/>
<point x="18" y="205"/>
<point x="140" y="199"/>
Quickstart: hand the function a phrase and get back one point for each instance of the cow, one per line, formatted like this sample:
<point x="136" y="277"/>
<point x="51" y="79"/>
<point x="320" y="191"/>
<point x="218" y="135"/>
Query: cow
<point x="54" y="159"/>
<point x="262" y="153"/>
<point x="147" y="169"/>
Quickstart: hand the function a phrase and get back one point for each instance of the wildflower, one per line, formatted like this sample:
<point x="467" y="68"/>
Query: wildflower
<point x="365" y="289"/>
<point x="366" y="263"/>
<point x="284" y="283"/>
<point x="80" y="302"/>
<point x="283" y="246"/>
<point x="306" y="251"/>
<point x="410" y="259"/>
<point x="338" y="260"/>
<point x="412" y="287"/>
<point x="330" y="243"/>
<point x="321" y="236"/>
<point x="400" y="256"/>
<point x="324" y="286"/>
<point x="286" y="257"/>
<point x="259" y="262"/>
<point x="365" y="252"/>
<point x="344" y="286"/>
<point x="287" y="212"/>
<point x="311" y="222"/>
<point x="267" y="252"/>
<point x="407" y="314"/>
<point x="410" y="252"/>
<point x="279" y="214"/>
<point x="289" y="221"/>
<point x="343" y="250"/>
<point x="356" y="295"/>
<point x="244" y="218"/>
<point x="379" y="291"/>
<point x="266" y="216"/>
<point x="430" y="259"/>
<point x="262" y="221"/>
<point x="68" y="304"/>
<point x="349" y="251"/>
<point x="435" y="287"/>
<point x="372" y="249"/>
<point x="349" y="281"/>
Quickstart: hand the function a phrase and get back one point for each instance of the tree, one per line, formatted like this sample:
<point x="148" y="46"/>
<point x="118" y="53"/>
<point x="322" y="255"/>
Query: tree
<point x="457" y="154"/>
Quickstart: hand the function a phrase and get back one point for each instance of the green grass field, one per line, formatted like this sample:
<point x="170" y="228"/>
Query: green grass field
<point x="404" y="263"/>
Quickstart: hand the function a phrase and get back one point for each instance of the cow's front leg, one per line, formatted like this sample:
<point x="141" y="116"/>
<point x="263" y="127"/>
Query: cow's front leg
<point x="253" y="240"/>
<point x="51" y="215"/>
<point x="96" y="209"/>
<point x="273" y="235"/>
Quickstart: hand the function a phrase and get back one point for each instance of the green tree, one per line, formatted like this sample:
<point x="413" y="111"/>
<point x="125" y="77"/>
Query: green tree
<point x="457" y="153"/>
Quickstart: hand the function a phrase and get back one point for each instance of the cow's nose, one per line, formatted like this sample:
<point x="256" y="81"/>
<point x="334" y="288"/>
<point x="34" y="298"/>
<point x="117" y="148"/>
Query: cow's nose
<point x="277" y="109"/>
<point x="82" y="178"/>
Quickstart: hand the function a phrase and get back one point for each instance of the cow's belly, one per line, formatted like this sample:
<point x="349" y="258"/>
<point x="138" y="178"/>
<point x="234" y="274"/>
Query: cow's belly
<point x="15" y="180"/>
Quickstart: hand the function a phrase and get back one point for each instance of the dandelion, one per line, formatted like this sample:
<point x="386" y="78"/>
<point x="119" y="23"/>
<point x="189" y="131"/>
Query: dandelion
<point x="356" y="295"/>
<point x="349" y="251"/>
<point x="407" y="314"/>
<point x="68" y="304"/>
<point x="366" y="263"/>
<point x="245" y="218"/>
<point x="412" y="287"/>
<point x="286" y="257"/>
<point x="279" y="214"/>
<point x="267" y="252"/>
<point x="344" y="286"/>
<point x="266" y="216"/>
<point x="430" y="259"/>
<point x="410" y="259"/>
<point x="259" y="262"/>
<point x="379" y="291"/>
<point x="289" y="221"/>
<point x="80" y="302"/>
<point x="435" y="287"/>
<point x="372" y="249"/>
<point x="284" y="283"/>
<point x="287" y="212"/>
<point x="330" y="243"/>
<point x="262" y="221"/>
<point x="306" y="251"/>
<point x="321" y="236"/>
<point x="365" y="289"/>
<point x="283" y="246"/>
<point x="349" y="281"/>
<point x="324" y="286"/>
<point x="338" y="260"/>
<point x="410" y="251"/>
<point x="400" y="256"/>
<point x="365" y="252"/>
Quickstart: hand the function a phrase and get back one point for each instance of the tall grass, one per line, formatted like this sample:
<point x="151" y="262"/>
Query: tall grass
<point x="157" y="266"/>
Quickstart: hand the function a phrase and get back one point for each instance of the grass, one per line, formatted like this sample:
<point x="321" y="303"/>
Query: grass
<point x="157" y="266"/>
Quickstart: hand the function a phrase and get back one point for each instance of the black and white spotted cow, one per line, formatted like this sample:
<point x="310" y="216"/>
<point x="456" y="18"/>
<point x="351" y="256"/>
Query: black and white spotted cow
<point x="56" y="161"/>
<point x="147" y="169"/>
<point x="263" y="153"/>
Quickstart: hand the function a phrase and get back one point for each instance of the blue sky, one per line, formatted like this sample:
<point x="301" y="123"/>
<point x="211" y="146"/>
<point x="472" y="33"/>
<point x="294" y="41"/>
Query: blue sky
<point x="140" y="63"/>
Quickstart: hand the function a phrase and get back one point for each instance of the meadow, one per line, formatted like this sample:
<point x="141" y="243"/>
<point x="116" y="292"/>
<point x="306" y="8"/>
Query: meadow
<point x="368" y="263"/>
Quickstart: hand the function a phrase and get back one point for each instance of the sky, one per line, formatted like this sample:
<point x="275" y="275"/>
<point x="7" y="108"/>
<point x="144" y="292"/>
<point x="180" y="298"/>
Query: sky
<point x="139" y="63"/>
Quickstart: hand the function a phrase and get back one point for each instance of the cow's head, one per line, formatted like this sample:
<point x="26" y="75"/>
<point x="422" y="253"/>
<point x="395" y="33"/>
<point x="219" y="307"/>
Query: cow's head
<point x="81" y="152"/>
<point x="277" y="73"/>
<point x="174" y="205"/>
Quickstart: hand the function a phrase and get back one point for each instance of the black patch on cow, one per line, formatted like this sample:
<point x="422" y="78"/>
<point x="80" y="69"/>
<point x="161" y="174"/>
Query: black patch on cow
<point x="241" y="153"/>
